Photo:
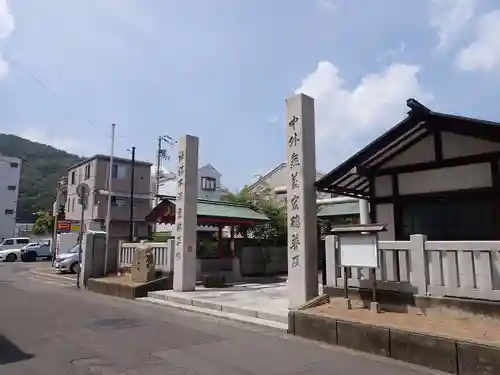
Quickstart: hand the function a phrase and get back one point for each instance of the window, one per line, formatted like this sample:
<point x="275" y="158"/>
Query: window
<point x="11" y="188"/>
<point x="450" y="220"/>
<point x="22" y="241"/>
<point x="87" y="171"/>
<point x="118" y="171"/>
<point x="74" y="250"/>
<point x="14" y="165"/>
<point x="208" y="183"/>
<point x="9" y="212"/>
<point x="73" y="178"/>
<point x="118" y="201"/>
<point x="8" y="242"/>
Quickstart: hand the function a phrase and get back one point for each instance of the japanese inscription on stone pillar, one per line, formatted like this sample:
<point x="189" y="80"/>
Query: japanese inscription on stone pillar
<point x="301" y="200"/>
<point x="185" y="214"/>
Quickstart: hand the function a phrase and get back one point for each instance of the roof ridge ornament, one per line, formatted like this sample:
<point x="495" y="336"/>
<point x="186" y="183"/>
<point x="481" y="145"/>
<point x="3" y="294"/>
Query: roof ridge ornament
<point x="417" y="108"/>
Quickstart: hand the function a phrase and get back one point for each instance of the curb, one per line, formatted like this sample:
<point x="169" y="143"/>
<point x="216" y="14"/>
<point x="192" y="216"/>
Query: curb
<point x="215" y="313"/>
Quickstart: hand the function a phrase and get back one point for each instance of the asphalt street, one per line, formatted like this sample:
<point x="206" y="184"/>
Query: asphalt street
<point x="49" y="327"/>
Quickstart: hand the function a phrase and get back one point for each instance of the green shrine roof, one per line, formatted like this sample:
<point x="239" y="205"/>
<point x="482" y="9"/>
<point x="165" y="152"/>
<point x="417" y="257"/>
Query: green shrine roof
<point x="339" y="209"/>
<point x="228" y="210"/>
<point x="209" y="212"/>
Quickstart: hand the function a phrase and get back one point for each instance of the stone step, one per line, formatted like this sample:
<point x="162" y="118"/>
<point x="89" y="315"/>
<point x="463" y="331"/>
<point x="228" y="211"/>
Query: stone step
<point x="228" y="308"/>
<point x="216" y="313"/>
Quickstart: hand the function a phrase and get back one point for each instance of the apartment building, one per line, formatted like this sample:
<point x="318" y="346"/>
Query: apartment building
<point x="94" y="172"/>
<point x="10" y="176"/>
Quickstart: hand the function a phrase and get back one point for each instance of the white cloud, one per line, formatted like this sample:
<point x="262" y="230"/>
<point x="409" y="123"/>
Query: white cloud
<point x="7" y="24"/>
<point x="451" y="18"/>
<point x="327" y="4"/>
<point x="55" y="140"/>
<point x="343" y="116"/>
<point x="391" y="53"/>
<point x="483" y="54"/>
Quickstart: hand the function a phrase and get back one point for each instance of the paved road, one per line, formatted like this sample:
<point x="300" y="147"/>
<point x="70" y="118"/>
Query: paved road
<point x="51" y="328"/>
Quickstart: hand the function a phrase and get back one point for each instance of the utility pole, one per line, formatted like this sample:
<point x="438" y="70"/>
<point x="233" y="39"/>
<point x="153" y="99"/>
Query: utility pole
<point x="110" y="187"/>
<point x="132" y="183"/>
<point x="161" y="155"/>
<point x="158" y="170"/>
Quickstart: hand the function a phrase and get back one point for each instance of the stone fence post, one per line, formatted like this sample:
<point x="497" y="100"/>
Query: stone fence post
<point x="119" y="256"/>
<point x="418" y="263"/>
<point x="330" y="261"/>
<point x="171" y="255"/>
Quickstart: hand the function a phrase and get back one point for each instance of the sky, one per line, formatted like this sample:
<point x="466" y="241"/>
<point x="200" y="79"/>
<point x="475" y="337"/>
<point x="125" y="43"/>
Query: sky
<point x="222" y="69"/>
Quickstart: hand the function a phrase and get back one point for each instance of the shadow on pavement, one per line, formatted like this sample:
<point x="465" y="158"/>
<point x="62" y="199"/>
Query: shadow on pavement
<point x="10" y="353"/>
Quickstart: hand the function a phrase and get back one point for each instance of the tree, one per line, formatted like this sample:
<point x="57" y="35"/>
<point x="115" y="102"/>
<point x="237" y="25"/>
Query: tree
<point x="242" y="197"/>
<point x="44" y="223"/>
<point x="275" y="229"/>
<point x="42" y="166"/>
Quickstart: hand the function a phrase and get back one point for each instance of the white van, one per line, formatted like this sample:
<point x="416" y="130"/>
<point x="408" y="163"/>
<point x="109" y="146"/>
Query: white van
<point x="14" y="243"/>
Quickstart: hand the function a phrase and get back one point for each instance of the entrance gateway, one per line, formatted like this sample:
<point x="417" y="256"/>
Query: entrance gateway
<point x="301" y="205"/>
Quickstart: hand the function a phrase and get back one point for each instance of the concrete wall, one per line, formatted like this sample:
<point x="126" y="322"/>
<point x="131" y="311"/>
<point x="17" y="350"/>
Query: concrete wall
<point x="10" y="175"/>
<point x="447" y="179"/>
<point x="263" y="261"/>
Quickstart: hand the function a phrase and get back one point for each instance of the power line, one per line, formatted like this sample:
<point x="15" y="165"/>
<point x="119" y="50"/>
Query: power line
<point x="52" y="92"/>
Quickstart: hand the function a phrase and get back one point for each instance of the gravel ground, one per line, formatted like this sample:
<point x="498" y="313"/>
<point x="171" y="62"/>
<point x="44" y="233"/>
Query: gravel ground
<point x="439" y="322"/>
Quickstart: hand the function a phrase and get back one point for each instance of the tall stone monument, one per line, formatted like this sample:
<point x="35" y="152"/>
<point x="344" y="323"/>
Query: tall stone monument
<point x="186" y="215"/>
<point x="301" y="200"/>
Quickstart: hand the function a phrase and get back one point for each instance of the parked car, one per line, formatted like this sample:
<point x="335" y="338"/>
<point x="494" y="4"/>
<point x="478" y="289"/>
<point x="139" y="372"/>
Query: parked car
<point x="10" y="248"/>
<point x="14" y="243"/>
<point x="33" y="251"/>
<point x="68" y="261"/>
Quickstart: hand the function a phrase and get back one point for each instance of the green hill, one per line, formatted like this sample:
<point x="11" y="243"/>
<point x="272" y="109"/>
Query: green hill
<point x="42" y="167"/>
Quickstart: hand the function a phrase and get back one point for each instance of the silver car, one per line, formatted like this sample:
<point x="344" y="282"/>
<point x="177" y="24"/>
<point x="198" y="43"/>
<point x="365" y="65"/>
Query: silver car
<point x="68" y="261"/>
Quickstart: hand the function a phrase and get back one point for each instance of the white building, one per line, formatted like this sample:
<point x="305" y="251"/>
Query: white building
<point x="10" y="176"/>
<point x="209" y="188"/>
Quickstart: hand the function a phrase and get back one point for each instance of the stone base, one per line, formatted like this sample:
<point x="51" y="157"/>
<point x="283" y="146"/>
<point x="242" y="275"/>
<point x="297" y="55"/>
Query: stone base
<point x="439" y="353"/>
<point x="124" y="288"/>
<point x="346" y="303"/>
<point x="214" y="281"/>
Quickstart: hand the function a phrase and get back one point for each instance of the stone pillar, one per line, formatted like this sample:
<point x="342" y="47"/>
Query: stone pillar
<point x="301" y="201"/>
<point x="186" y="215"/>
<point x="364" y="212"/>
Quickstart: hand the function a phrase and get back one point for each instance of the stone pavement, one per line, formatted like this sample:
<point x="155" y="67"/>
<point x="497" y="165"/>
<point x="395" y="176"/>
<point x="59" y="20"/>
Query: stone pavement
<point x="47" y="330"/>
<point x="264" y="303"/>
